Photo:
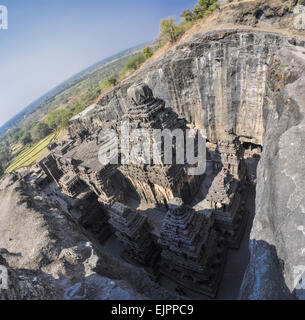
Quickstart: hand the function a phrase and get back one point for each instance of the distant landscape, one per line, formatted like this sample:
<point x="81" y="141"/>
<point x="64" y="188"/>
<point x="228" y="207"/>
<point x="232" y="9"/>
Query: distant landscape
<point x="46" y="118"/>
<point x="171" y="171"/>
<point x="26" y="136"/>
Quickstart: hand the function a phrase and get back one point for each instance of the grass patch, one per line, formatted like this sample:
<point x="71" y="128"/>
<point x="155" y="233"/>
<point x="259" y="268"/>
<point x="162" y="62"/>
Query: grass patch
<point x="30" y="155"/>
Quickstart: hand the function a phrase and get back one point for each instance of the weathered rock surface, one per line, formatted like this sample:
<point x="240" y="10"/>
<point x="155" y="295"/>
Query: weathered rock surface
<point x="214" y="80"/>
<point x="251" y="81"/>
<point x="49" y="257"/>
<point x="260" y="13"/>
<point x="278" y="238"/>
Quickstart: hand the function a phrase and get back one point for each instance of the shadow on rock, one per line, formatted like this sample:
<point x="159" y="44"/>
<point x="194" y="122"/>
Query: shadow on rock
<point x="264" y="279"/>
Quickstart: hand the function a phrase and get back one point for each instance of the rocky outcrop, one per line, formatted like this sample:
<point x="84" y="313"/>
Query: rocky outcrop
<point x="278" y="239"/>
<point x="25" y="285"/>
<point x="260" y="13"/>
<point x="214" y="80"/>
<point x="251" y="81"/>
<point x="49" y="257"/>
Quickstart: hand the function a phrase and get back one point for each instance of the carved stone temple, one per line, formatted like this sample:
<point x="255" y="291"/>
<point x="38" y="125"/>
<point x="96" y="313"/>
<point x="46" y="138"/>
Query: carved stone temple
<point x="156" y="213"/>
<point x="192" y="252"/>
<point x="157" y="183"/>
<point x="231" y="152"/>
<point x="134" y="232"/>
<point x="228" y="193"/>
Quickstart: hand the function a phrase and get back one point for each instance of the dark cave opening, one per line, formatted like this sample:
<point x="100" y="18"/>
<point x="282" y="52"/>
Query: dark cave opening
<point x="259" y="14"/>
<point x="252" y="146"/>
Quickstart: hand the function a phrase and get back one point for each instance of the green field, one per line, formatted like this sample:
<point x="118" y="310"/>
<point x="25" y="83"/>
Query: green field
<point x="29" y="155"/>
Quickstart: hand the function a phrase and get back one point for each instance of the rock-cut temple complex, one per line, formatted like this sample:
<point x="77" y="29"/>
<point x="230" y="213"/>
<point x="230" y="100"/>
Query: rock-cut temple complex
<point x="156" y="212"/>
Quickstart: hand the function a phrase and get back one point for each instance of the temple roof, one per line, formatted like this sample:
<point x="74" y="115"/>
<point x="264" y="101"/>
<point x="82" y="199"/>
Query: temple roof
<point x="223" y="188"/>
<point x="68" y="178"/>
<point x="184" y="230"/>
<point x="86" y="154"/>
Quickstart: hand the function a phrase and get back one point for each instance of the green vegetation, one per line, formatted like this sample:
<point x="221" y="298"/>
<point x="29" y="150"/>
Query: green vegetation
<point x="23" y="143"/>
<point x="112" y="80"/>
<point x="27" y="144"/>
<point x="130" y="66"/>
<point x="108" y="82"/>
<point x="204" y="8"/>
<point x="133" y="64"/>
<point x="3" y="159"/>
<point x="187" y="15"/>
<point x="40" y="131"/>
<point x="3" y="156"/>
<point x="147" y="52"/>
<point x="71" y="91"/>
<point x="58" y="119"/>
<point x="29" y="155"/>
<point x="20" y="147"/>
<point x="26" y="138"/>
<point x="171" y="31"/>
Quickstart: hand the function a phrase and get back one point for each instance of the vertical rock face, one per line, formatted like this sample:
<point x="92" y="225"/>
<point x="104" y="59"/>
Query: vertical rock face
<point x="278" y="239"/>
<point x="248" y="80"/>
<point x="252" y="82"/>
<point x="214" y="80"/>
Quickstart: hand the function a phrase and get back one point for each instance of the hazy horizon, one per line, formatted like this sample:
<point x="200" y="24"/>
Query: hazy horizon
<point x="67" y="79"/>
<point x="48" y="43"/>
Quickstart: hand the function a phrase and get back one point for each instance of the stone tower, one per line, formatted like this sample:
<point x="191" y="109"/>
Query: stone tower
<point x="228" y="194"/>
<point x="134" y="232"/>
<point x="232" y="152"/>
<point x="157" y="183"/>
<point x="192" y="254"/>
<point x="227" y="200"/>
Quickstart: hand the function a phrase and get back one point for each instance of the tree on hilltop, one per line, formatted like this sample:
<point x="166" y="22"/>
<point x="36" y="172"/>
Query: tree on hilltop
<point x="147" y="52"/>
<point x="134" y="63"/>
<point x="112" y="80"/>
<point x="169" y="29"/>
<point x="187" y="15"/>
<point x="204" y="7"/>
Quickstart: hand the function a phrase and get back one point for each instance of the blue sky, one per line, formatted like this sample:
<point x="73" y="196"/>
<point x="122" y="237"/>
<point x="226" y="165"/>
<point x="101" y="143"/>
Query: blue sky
<point x="49" y="41"/>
